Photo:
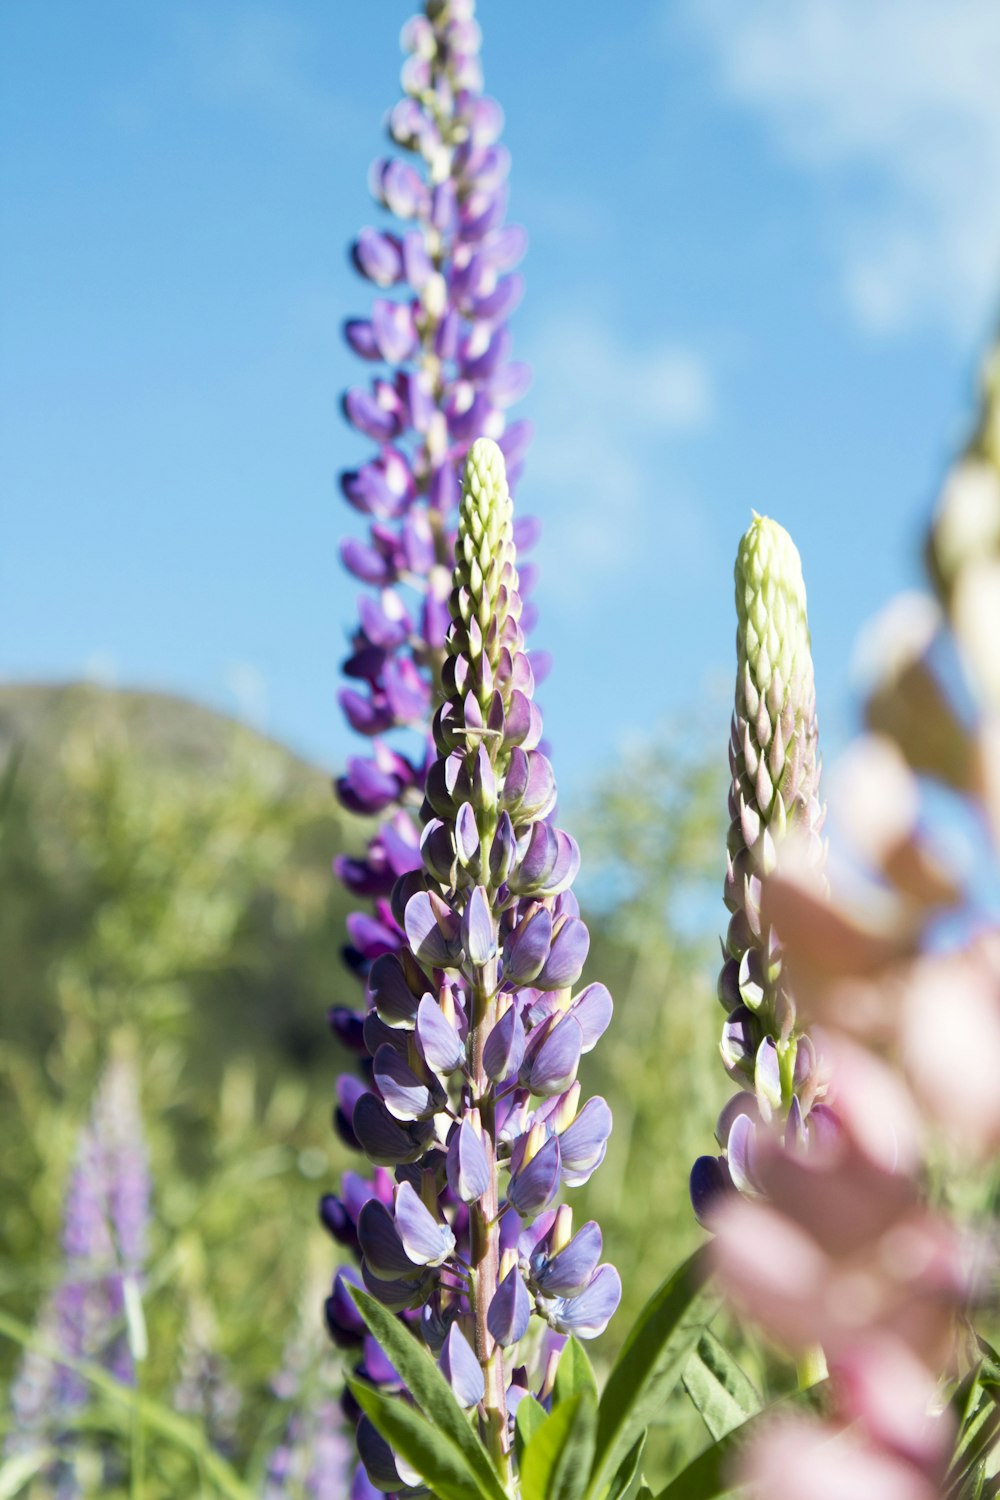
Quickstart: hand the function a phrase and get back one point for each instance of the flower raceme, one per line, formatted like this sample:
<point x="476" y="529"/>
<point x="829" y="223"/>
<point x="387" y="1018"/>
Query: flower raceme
<point x="474" y="1027"/>
<point x="774" y="796"/>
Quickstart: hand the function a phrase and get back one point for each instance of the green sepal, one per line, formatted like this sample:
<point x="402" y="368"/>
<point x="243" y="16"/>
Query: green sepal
<point x="425" y="1448"/>
<point x="557" y="1460"/>
<point x="574" y="1374"/>
<point x="649" y="1366"/>
<point x="723" y="1394"/>
<point x="430" y="1390"/>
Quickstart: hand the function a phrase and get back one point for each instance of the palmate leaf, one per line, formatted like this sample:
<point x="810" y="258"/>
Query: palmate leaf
<point x="723" y="1395"/>
<point x="557" y="1460"/>
<point x="649" y="1366"/>
<point x="432" y="1393"/>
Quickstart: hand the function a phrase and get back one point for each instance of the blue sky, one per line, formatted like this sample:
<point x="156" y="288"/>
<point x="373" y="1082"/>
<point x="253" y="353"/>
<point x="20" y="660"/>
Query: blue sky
<point x="764" y="263"/>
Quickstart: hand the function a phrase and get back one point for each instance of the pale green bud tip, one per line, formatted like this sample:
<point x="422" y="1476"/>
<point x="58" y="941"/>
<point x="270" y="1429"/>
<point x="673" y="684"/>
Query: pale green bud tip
<point x="768" y="560"/>
<point x="485" y="474"/>
<point x="773" y="632"/>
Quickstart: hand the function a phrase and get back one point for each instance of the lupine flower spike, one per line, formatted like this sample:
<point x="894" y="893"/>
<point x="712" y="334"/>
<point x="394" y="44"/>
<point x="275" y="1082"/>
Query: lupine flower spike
<point x="774" y="796"/>
<point x="437" y="332"/>
<point x="475" y="1030"/>
<point x="95" y="1313"/>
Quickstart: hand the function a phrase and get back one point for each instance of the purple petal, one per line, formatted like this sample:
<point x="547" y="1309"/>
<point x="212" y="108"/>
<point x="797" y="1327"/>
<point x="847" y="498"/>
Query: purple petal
<point x="584" y="1143"/>
<point x="767" y="1078"/>
<point x="740" y="1150"/>
<point x="533" y="1188"/>
<point x="345" y="1323"/>
<point x="423" y="933"/>
<point x="567" y="956"/>
<point x="592" y="1010"/>
<point x="709" y="1181"/>
<point x="467" y="1165"/>
<point x="394" y="331"/>
<point x="382" y="1246"/>
<point x="466" y="834"/>
<point x="425" y="1239"/>
<point x="552" y="1067"/>
<point x="567" y="1273"/>
<point x="377" y="256"/>
<point x="504" y="1049"/>
<point x="389" y="993"/>
<point x="384" y="1140"/>
<point x="406" y="1096"/>
<point x="479" y="937"/>
<point x="440" y="1044"/>
<point x="527" y="948"/>
<point x="461" y="1369"/>
<point x="588" y="1315"/>
<point x="509" y="1311"/>
<point x="503" y="850"/>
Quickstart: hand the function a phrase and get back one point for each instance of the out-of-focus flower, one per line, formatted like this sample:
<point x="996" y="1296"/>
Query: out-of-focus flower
<point x="95" y="1312"/>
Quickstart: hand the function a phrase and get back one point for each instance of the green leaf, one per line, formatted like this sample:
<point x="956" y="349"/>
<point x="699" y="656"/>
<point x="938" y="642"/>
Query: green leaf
<point x="557" y="1460"/>
<point x="649" y="1366"/>
<point x="408" y="1432"/>
<point x="723" y="1394"/>
<point x="530" y="1416"/>
<point x="574" y="1373"/>
<point x="430" y="1390"/>
<point x="627" y="1471"/>
<point x="707" y="1476"/>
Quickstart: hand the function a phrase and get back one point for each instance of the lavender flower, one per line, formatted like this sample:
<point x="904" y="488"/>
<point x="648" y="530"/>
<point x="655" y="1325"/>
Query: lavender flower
<point x="775" y="765"/>
<point x="96" y="1311"/>
<point x="475" y="1029"/>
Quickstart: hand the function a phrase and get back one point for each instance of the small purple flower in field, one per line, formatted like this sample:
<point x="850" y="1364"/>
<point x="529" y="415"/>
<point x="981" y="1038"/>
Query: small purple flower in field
<point x="478" y="1028"/>
<point x="95" y="1312"/>
<point x="774" y="797"/>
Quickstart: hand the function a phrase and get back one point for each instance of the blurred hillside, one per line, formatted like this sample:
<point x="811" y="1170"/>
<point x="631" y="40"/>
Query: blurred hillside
<point x="165" y="886"/>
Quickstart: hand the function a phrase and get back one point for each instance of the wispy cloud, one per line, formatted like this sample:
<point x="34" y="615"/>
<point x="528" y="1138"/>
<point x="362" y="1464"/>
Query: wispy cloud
<point x="608" y="417"/>
<point x="895" y="106"/>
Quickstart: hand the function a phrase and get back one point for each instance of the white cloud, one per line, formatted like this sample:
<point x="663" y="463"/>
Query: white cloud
<point x="895" y="104"/>
<point x="607" y="416"/>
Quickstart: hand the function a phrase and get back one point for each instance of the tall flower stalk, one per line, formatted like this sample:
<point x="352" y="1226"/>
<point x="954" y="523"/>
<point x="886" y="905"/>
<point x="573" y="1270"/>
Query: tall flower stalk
<point x="475" y="1030"/>
<point x="445" y="288"/>
<point x="774" y="796"/>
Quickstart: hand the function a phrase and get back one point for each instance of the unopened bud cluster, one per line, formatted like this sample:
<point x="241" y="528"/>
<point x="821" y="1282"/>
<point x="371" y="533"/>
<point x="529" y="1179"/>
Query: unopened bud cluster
<point x="774" y="795"/>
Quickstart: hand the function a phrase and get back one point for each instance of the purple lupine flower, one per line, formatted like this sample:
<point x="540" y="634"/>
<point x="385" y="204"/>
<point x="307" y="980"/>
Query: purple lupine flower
<point x="95" y="1313"/>
<point x="437" y="341"/>
<point x="774" y="795"/>
<point x="314" y="1458"/>
<point x="474" y="1096"/>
